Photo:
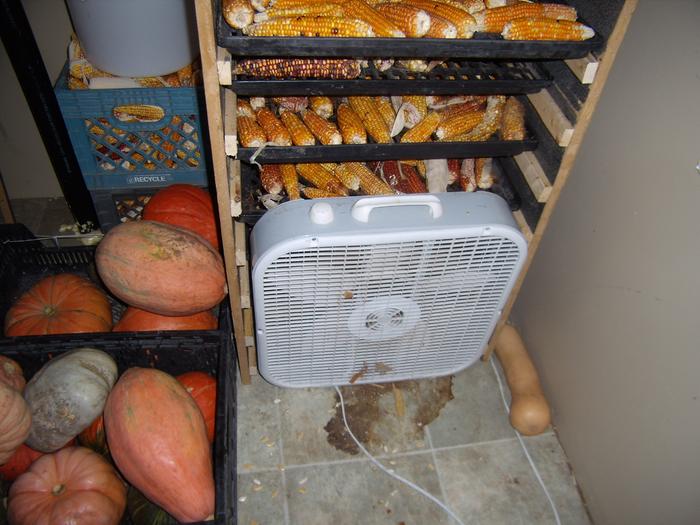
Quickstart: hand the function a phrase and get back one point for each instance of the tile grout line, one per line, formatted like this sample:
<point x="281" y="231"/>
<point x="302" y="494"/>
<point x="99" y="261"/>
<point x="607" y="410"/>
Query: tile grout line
<point x="437" y="468"/>
<point x="283" y="475"/>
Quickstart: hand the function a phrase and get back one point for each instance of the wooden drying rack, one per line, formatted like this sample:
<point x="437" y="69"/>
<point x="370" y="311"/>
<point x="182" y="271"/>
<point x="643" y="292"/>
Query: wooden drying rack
<point x="221" y="103"/>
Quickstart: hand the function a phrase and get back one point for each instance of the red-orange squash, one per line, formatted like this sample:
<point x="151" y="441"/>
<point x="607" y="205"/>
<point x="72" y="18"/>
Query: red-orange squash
<point x="11" y="373"/>
<point x="94" y="437"/>
<point x="158" y="440"/>
<point x="20" y="461"/>
<point x="60" y="304"/>
<point x="184" y="206"/>
<point x="202" y="387"/>
<point x="137" y="320"/>
<point x="161" y="268"/>
<point x="74" y="485"/>
<point x="15" y="421"/>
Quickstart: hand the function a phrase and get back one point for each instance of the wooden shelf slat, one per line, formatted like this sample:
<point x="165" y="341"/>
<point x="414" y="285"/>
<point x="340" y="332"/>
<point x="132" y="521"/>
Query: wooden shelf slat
<point x="534" y="175"/>
<point x="584" y="68"/>
<point x="554" y="119"/>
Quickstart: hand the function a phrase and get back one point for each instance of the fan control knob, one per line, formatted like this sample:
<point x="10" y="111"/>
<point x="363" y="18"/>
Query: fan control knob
<point x="321" y="213"/>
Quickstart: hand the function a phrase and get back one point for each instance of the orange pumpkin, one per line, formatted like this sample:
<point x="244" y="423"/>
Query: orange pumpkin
<point x="94" y="438"/>
<point x="15" y="421"/>
<point x="60" y="304"/>
<point x="202" y="388"/>
<point x="184" y="206"/>
<point x="137" y="320"/>
<point x="11" y="373"/>
<point x="74" y="485"/>
<point x="161" y="268"/>
<point x="158" y="440"/>
<point x="20" y="461"/>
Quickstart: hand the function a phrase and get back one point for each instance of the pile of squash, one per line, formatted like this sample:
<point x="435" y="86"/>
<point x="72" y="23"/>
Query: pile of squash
<point x="147" y="428"/>
<point x="166" y="268"/>
<point x="144" y="438"/>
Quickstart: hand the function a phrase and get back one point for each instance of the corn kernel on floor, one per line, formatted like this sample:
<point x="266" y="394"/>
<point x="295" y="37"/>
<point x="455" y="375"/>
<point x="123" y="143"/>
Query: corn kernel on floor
<point x="290" y="474"/>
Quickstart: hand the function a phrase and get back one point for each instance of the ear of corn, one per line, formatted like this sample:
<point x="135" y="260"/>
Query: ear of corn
<point x="273" y="128"/>
<point x="459" y="123"/>
<point x="320" y="177"/>
<point x="484" y="173"/>
<point x="257" y="102"/>
<point x="138" y="113"/>
<point x="351" y="127"/>
<point x="382" y="26"/>
<point x="412" y="182"/>
<point x="330" y="26"/>
<point x="260" y="5"/>
<point x="333" y="68"/>
<point x="494" y="20"/>
<point x="489" y="124"/>
<point x="322" y="106"/>
<point x="448" y="103"/>
<point x="301" y="136"/>
<point x="413" y="21"/>
<point x="295" y="104"/>
<point x="415" y="109"/>
<point x="467" y="175"/>
<point x="440" y="28"/>
<point x="546" y="29"/>
<point x="290" y="181"/>
<point x="453" y="170"/>
<point x="386" y="110"/>
<point x="250" y="134"/>
<point x="423" y="131"/>
<point x="326" y="132"/>
<point x="347" y="176"/>
<point x="369" y="182"/>
<point x="316" y="193"/>
<point x="244" y="109"/>
<point x="513" y="120"/>
<point x="271" y="179"/>
<point x="419" y="165"/>
<point x="237" y="13"/>
<point x="300" y="10"/>
<point x="463" y="21"/>
<point x="372" y="119"/>
<point x="414" y="65"/>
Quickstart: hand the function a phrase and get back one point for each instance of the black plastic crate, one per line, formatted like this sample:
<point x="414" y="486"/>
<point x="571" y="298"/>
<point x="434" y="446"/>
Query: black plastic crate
<point x="482" y="46"/>
<point x="174" y="353"/>
<point x="451" y="77"/>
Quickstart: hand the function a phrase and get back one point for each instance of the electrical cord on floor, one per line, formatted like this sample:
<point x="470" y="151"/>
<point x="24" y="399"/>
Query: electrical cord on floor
<point x="522" y="444"/>
<point x="391" y="472"/>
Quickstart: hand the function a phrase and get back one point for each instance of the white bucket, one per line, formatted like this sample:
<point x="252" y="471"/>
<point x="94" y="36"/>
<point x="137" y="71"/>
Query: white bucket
<point x="136" y="38"/>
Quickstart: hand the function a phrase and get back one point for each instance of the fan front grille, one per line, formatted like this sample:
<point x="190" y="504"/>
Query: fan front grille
<point x="379" y="312"/>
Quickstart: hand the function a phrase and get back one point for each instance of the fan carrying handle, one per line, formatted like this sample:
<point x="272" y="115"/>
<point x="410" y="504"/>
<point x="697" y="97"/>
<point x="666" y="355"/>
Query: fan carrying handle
<point x="362" y="208"/>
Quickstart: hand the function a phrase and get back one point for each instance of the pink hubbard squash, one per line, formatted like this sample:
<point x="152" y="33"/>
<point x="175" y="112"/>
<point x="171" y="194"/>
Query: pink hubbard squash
<point x="75" y="485"/>
<point x="202" y="387"/>
<point x="15" y="421"/>
<point x="160" y="268"/>
<point x="158" y="440"/>
<point x="137" y="320"/>
<point x="11" y="373"/>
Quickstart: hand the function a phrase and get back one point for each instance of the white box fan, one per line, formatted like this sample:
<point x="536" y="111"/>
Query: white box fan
<point x="375" y="289"/>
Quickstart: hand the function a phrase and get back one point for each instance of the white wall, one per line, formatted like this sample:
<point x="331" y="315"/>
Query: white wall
<point x="24" y="164"/>
<point x="610" y="309"/>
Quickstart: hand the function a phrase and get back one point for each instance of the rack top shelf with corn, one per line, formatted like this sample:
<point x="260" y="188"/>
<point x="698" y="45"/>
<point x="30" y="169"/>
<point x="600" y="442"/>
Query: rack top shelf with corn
<point x="479" y="29"/>
<point x="325" y="129"/>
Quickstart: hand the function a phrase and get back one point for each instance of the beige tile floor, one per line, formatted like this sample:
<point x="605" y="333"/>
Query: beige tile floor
<point x="468" y="457"/>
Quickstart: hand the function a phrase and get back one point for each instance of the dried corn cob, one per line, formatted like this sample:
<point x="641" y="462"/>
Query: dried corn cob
<point x="419" y="165"/>
<point x="467" y="175"/>
<point x="412" y="182"/>
<point x="484" y="173"/>
<point x="349" y="178"/>
<point x="244" y="109"/>
<point x="286" y="4"/>
<point x="315" y="193"/>
<point x="273" y="128"/>
<point x="301" y="136"/>
<point x="290" y="181"/>
<point x="494" y="20"/>
<point x="489" y="125"/>
<point x="295" y="104"/>
<point x="473" y="6"/>
<point x="326" y="132"/>
<point x="138" y="113"/>
<point x="463" y="21"/>
<point x="453" y="166"/>
<point x="386" y="110"/>
<point x="414" y="65"/>
<point x="401" y="177"/>
<point x="382" y="64"/>
<point x="367" y="110"/>
<point x="440" y="28"/>
<point x="271" y="179"/>
<point x="257" y="102"/>
<point x="310" y="26"/>
<point x="350" y="125"/>
<point x="423" y="131"/>
<point x="413" y="21"/>
<point x="300" y="10"/>
<point x="415" y="109"/>
<point x="333" y="68"/>
<point x="513" y="121"/>
<point x="250" y="134"/>
<point x="391" y="174"/>
<point x="369" y="183"/>
<point x="546" y="29"/>
<point x="458" y="124"/>
<point x="458" y="109"/>
<point x="322" y="106"/>
<point x="237" y="13"/>
<point x="381" y="25"/>
<point x="321" y="178"/>
<point x="260" y="5"/>
<point x="448" y="101"/>
<point x="491" y="4"/>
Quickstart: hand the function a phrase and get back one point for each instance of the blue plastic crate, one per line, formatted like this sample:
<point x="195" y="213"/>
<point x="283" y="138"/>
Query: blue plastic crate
<point x="115" y="154"/>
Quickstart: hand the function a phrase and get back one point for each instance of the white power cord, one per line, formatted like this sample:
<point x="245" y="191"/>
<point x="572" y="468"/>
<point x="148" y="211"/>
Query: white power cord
<point x="391" y="472"/>
<point x="522" y="444"/>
